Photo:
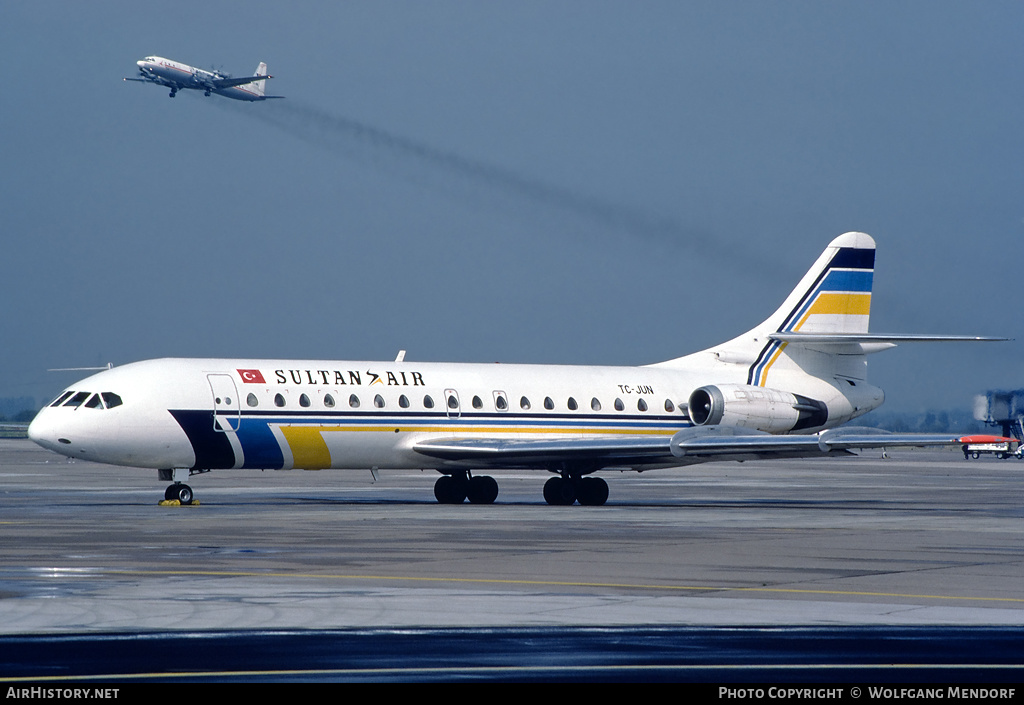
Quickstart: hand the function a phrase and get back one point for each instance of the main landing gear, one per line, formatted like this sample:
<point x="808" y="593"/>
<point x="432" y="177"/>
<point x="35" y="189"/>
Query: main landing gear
<point x="567" y="489"/>
<point x="561" y="490"/>
<point x="460" y="486"/>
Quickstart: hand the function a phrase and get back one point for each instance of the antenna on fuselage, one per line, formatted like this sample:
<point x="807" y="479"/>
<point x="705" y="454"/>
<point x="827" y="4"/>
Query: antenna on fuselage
<point x="110" y="366"/>
<point x="401" y="356"/>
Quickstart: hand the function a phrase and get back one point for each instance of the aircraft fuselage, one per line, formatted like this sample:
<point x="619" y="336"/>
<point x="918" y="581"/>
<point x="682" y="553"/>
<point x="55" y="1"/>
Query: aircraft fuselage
<point x="178" y="76"/>
<point x="210" y="414"/>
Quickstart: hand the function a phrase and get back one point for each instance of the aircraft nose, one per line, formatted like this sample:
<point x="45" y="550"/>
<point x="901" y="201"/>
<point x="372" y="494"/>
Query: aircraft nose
<point x="37" y="430"/>
<point x="43" y="431"/>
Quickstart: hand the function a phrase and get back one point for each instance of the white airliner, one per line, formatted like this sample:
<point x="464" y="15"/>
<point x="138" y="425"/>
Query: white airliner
<point x="177" y="76"/>
<point x="777" y="391"/>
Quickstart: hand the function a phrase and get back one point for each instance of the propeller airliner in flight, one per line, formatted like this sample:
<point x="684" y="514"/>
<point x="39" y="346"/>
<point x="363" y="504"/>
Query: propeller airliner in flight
<point x="178" y="76"/>
<point x="780" y="390"/>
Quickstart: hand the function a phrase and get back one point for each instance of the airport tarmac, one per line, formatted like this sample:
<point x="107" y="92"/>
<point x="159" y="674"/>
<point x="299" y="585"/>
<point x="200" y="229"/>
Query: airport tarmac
<point x="921" y="538"/>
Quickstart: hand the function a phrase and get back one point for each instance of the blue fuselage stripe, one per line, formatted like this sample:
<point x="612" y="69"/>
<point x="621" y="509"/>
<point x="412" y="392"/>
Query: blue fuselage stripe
<point x="261" y="447"/>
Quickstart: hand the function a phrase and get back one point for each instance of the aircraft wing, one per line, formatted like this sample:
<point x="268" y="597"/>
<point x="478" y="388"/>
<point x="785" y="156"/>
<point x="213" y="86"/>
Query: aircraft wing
<point x="231" y="82"/>
<point x="729" y="444"/>
<point x="495" y="452"/>
<point x="686" y="447"/>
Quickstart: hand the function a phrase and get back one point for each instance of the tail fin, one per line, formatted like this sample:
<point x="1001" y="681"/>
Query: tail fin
<point x="833" y="298"/>
<point x="260" y="86"/>
<point x="835" y="294"/>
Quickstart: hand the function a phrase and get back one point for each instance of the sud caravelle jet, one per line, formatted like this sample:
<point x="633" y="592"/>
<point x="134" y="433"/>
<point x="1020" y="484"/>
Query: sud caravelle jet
<point x="176" y="76"/>
<point x="777" y="391"/>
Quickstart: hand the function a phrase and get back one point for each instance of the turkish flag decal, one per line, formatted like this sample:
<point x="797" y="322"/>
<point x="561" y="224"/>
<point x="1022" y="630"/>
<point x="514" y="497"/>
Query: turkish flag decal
<point x="252" y="377"/>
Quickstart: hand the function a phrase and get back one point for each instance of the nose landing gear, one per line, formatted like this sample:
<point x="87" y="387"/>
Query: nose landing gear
<point x="180" y="492"/>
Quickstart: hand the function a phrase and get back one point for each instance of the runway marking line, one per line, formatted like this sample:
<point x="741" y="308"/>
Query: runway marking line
<point x="441" y="670"/>
<point x="556" y="583"/>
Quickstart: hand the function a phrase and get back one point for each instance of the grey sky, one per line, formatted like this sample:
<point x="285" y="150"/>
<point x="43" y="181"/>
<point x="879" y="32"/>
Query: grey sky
<point x="593" y="182"/>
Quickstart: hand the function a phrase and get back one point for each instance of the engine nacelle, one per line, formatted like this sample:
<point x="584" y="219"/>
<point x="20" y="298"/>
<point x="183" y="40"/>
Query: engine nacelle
<point x="747" y="406"/>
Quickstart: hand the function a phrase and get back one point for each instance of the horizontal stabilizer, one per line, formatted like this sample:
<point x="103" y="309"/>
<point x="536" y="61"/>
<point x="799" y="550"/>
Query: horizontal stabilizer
<point x="853" y="338"/>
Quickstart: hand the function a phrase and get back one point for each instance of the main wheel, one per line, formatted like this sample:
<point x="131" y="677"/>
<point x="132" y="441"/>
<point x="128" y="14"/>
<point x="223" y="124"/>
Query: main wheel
<point x="592" y="491"/>
<point x="483" y="489"/>
<point x="559" y="491"/>
<point x="450" y="490"/>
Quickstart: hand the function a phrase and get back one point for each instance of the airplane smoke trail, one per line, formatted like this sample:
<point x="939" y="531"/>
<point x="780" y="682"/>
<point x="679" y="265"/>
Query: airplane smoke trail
<point x="360" y="141"/>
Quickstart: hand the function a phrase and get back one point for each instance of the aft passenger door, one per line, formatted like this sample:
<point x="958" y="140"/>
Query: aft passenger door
<point x="226" y="408"/>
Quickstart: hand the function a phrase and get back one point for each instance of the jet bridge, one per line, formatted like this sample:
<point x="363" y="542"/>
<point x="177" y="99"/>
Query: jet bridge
<point x="1002" y="408"/>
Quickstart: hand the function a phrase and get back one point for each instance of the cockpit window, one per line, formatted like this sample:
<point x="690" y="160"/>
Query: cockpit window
<point x="77" y="400"/>
<point x="103" y="400"/>
<point x="62" y="398"/>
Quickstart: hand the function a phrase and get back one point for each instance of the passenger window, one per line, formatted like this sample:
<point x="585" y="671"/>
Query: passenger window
<point x="378" y="401"/>
<point x="251" y="400"/>
<point x="428" y="402"/>
<point x="619" y="406"/>
<point x="303" y="400"/>
<point x="477" y="403"/>
<point x="329" y="401"/>
<point x="499" y="402"/>
<point x="524" y="403"/>
<point x="548" y="404"/>
<point x="403" y="401"/>
<point x="353" y="401"/>
<point x="278" y="400"/>
<point x="572" y="404"/>
<point x="595" y="404"/>
<point x="641" y="404"/>
<point x="111" y="399"/>
<point x="453" y="402"/>
<point x="669" y="406"/>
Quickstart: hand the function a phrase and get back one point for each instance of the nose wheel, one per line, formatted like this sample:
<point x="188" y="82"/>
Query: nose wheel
<point x="180" y="492"/>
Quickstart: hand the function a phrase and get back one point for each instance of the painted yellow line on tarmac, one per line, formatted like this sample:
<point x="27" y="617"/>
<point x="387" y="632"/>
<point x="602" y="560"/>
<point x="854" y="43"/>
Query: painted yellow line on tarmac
<point x="575" y="668"/>
<point x="560" y="583"/>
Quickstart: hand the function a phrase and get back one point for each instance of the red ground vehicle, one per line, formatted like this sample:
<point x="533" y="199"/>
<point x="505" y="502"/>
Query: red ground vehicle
<point x="1000" y="446"/>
